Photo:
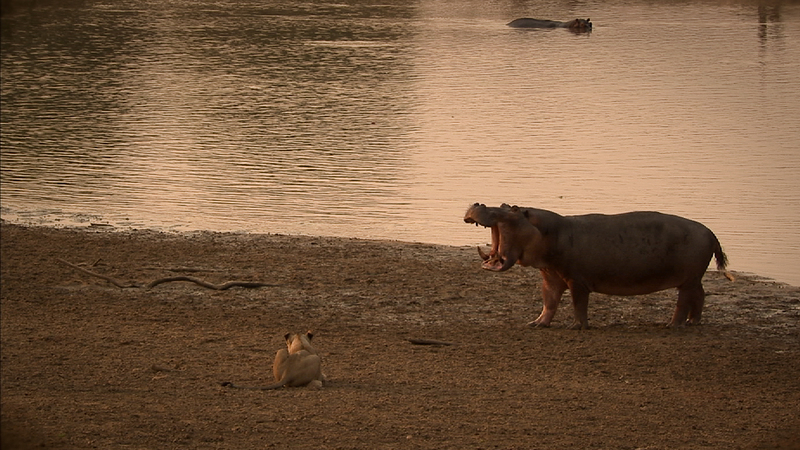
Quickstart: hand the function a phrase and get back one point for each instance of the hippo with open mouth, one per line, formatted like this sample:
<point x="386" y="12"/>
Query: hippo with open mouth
<point x="623" y="254"/>
<point x="576" y="25"/>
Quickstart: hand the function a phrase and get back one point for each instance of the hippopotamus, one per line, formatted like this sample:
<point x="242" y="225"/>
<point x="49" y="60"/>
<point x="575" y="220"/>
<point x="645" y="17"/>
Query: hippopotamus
<point x="577" y="25"/>
<point x="626" y="254"/>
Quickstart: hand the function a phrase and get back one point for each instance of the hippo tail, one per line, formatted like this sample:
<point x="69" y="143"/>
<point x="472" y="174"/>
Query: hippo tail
<point x="722" y="259"/>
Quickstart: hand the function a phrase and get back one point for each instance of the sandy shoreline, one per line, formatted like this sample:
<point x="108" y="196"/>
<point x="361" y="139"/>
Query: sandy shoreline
<point x="86" y="364"/>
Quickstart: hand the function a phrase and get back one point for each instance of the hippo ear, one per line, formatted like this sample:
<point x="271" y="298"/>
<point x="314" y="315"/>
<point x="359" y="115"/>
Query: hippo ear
<point x="515" y="208"/>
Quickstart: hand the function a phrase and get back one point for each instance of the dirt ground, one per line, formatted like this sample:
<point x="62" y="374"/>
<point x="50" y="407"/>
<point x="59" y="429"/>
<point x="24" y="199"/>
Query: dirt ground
<point x="86" y="364"/>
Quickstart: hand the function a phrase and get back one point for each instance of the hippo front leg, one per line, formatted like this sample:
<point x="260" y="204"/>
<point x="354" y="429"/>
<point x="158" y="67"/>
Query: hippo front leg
<point x="553" y="288"/>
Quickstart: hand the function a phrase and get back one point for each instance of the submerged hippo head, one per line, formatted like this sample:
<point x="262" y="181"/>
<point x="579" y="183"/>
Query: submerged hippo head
<point x="514" y="238"/>
<point x="579" y="25"/>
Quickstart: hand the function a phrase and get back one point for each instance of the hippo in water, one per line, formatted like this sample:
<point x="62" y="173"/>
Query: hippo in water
<point x="577" y="25"/>
<point x="624" y="254"/>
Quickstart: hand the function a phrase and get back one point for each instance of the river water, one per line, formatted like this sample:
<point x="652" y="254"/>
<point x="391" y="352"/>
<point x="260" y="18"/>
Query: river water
<point x="386" y="119"/>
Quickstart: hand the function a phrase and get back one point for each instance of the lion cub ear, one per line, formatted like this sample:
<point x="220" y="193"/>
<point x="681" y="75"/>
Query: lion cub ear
<point x="287" y="336"/>
<point x="309" y="335"/>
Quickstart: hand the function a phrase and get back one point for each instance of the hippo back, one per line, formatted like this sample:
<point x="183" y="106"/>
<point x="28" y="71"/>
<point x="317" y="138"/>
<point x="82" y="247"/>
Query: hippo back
<point x="631" y="253"/>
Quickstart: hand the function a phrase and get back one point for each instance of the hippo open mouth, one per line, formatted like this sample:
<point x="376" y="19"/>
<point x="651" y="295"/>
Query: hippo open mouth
<point x="494" y="260"/>
<point x="479" y="214"/>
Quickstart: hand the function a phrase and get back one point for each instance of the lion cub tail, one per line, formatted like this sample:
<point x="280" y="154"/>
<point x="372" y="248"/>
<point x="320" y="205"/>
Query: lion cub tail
<point x="277" y="385"/>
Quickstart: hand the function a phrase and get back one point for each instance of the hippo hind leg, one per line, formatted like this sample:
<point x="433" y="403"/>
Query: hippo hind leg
<point x="580" y="304"/>
<point x="691" y="298"/>
<point x="696" y="306"/>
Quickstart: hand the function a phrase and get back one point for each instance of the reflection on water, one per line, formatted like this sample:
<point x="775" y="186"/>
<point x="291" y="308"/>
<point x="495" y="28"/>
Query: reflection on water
<point x="206" y="118"/>
<point x="385" y="120"/>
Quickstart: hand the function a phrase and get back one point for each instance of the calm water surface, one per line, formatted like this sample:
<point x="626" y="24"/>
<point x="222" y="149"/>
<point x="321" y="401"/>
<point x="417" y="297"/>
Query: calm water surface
<point x="387" y="119"/>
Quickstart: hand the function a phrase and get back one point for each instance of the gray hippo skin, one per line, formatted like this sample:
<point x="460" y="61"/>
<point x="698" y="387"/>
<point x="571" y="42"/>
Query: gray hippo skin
<point x="624" y="254"/>
<point x="577" y="25"/>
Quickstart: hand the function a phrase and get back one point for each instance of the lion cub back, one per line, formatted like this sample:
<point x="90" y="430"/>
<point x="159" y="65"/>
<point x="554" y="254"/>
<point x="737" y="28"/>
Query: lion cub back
<point x="299" y="364"/>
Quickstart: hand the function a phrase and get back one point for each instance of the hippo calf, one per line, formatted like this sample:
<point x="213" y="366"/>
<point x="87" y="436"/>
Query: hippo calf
<point x="577" y="25"/>
<point x="623" y="254"/>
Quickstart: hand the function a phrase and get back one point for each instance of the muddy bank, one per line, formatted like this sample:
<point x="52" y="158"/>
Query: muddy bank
<point x="86" y="364"/>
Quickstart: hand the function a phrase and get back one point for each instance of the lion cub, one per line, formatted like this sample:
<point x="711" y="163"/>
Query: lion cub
<point x="297" y="365"/>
